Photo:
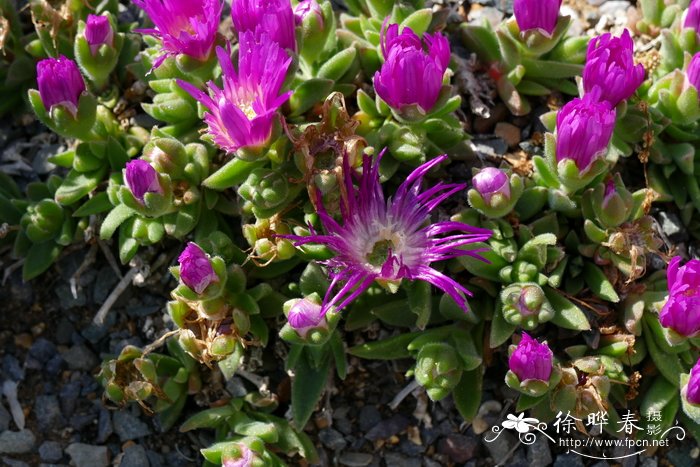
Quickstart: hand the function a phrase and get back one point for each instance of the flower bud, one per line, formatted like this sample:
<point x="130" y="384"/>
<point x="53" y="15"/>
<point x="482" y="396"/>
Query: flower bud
<point x="490" y="182"/>
<point x="60" y="83"/>
<point x="584" y="130"/>
<point x="612" y="202"/>
<point x="196" y="271"/>
<point x="692" y="390"/>
<point x="304" y="316"/>
<point x="692" y="16"/>
<point x="531" y="360"/>
<point x="610" y="66"/>
<point x="681" y="312"/>
<point x="98" y="32"/>
<point x="541" y="15"/>
<point x="265" y="188"/>
<point x="240" y="456"/>
<point x="305" y="8"/>
<point x="141" y="178"/>
<point x="693" y="72"/>
<point x="526" y="305"/>
<point x="494" y="193"/>
<point x="438" y="369"/>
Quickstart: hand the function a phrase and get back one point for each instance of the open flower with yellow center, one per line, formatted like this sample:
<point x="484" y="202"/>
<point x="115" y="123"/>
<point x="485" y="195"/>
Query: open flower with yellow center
<point x="243" y="113"/>
<point x="391" y="240"/>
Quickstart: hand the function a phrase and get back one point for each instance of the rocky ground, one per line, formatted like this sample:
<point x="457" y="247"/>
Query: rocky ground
<point x="52" y="413"/>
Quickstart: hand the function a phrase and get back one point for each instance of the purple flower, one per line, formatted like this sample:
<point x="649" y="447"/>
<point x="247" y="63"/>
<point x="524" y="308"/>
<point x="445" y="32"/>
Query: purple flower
<point x="390" y="240"/>
<point x="196" y="271"/>
<point x="610" y="66"/>
<point x="537" y="14"/>
<point x="272" y="17"/>
<point x="693" y="72"/>
<point x="305" y="315"/>
<point x="692" y="16"/>
<point x="305" y="8"/>
<point x="243" y="113"/>
<point x="98" y="31"/>
<point x="412" y="72"/>
<point x="490" y="181"/>
<point x="141" y="178"/>
<point x="681" y="312"/>
<point x="692" y="390"/>
<point x="184" y="27"/>
<point x="531" y="360"/>
<point x="244" y="459"/>
<point x="60" y="83"/>
<point x="584" y="129"/>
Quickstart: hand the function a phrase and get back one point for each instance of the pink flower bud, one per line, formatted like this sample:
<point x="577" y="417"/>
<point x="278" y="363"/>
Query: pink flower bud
<point x="196" y="271"/>
<point x="537" y="14"/>
<point x="305" y="315"/>
<point x="531" y="360"/>
<point x="681" y="312"/>
<point x="692" y="390"/>
<point x="98" y="31"/>
<point x="490" y="181"/>
<point x="141" y="178"/>
<point x="60" y="83"/>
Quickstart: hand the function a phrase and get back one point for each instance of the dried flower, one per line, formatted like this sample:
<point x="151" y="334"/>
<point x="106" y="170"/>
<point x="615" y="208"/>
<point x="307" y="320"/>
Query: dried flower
<point x="305" y="315"/>
<point x="489" y="182"/>
<point x="681" y="312"/>
<point x="196" y="271"/>
<point x="610" y="66"/>
<point x="388" y="241"/>
<point x="584" y="129"/>
<point x="531" y="360"/>
<point x="272" y="17"/>
<point x="141" y="178"/>
<point x="98" y="32"/>
<point x="413" y="71"/>
<point x="539" y="15"/>
<point x="60" y="83"/>
<point x="185" y="27"/>
<point x="243" y="113"/>
<point x="692" y="390"/>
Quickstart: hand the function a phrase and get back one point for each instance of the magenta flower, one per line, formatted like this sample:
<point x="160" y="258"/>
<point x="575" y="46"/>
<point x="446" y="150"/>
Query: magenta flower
<point x="196" y="271"/>
<point x="272" y="17"/>
<point x="693" y="72"/>
<point x="243" y="113"/>
<point x="412" y="72"/>
<point x="681" y="312"/>
<point x="305" y="315"/>
<point x="692" y="16"/>
<point x="305" y="8"/>
<point x="184" y="27"/>
<point x="584" y="129"/>
<point x="692" y="390"/>
<point x="541" y="15"/>
<point x="390" y="240"/>
<point x="60" y="83"/>
<point x="141" y="178"/>
<point x="531" y="360"/>
<point x="610" y="66"/>
<point x="491" y="181"/>
<point x="98" y="31"/>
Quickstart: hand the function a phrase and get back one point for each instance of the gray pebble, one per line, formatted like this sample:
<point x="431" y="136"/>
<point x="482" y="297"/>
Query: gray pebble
<point x="13" y="463"/>
<point x="539" y="453"/>
<point x="128" y="426"/>
<point x="568" y="460"/>
<point x="4" y="418"/>
<point x="79" y="357"/>
<point x="48" y="413"/>
<point x="50" y="451"/>
<point x="355" y="459"/>
<point x="134" y="456"/>
<point x="87" y="455"/>
<point x="16" y="442"/>
<point x="332" y="439"/>
<point x="368" y="418"/>
<point x="499" y="449"/>
<point x="394" y="459"/>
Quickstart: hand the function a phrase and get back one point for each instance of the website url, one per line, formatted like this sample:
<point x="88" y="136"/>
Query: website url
<point x="612" y="443"/>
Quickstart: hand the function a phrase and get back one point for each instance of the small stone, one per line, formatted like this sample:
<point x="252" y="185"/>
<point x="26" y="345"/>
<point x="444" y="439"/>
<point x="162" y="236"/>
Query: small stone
<point x="104" y="425"/>
<point x="509" y="133"/>
<point x="87" y="455"/>
<point x="9" y="462"/>
<point x="355" y="459"/>
<point x="672" y="226"/>
<point x="649" y="462"/>
<point x="43" y="350"/>
<point x="368" y="418"/>
<point x="458" y="448"/>
<point x="66" y="298"/>
<point x="394" y="459"/>
<point x="79" y="357"/>
<point x="5" y="418"/>
<point x="611" y="8"/>
<point x="128" y="426"/>
<point x="48" y="413"/>
<point x="155" y="459"/>
<point x="11" y="368"/>
<point x="568" y="460"/>
<point x="104" y="283"/>
<point x="538" y="453"/>
<point x="332" y="439"/>
<point x="500" y="447"/>
<point x="64" y="331"/>
<point x="388" y="428"/>
<point x="16" y="442"/>
<point x="134" y="456"/>
<point x="50" y="451"/>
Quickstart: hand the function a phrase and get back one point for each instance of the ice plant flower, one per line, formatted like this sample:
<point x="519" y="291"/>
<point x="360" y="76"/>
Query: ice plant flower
<point x="304" y="316"/>
<point x="693" y="72"/>
<point x="681" y="312"/>
<point x="98" y="31"/>
<point x="491" y="181"/>
<point x="391" y="240"/>
<point x="692" y="389"/>
<point x="413" y="70"/>
<point x="541" y="15"/>
<point x="610" y="66"/>
<point x="185" y="27"/>
<point x="531" y="360"/>
<point x="272" y="17"/>
<point x="691" y="19"/>
<point x="196" y="271"/>
<point x="60" y="83"/>
<point x="141" y="178"/>
<point x="305" y="8"/>
<point x="244" y="457"/>
<point x="584" y="129"/>
<point x="242" y="114"/>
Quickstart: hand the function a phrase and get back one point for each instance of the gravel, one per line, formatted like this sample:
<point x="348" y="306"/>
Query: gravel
<point x="134" y="456"/>
<point x="79" y="357"/>
<point x="128" y="426"/>
<point x="87" y="455"/>
<point x="16" y="442"/>
<point x="50" y="451"/>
